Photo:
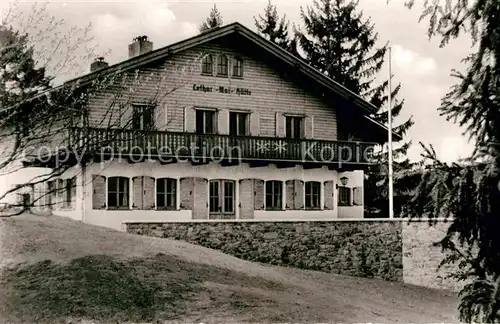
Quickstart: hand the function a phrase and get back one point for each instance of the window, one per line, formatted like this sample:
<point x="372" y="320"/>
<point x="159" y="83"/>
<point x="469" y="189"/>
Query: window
<point x="344" y="196"/>
<point x="26" y="200"/>
<point x="207" y="65"/>
<point x="205" y="121"/>
<point x="142" y="117"/>
<point x="60" y="191"/>
<point x="222" y="65"/>
<point x="69" y="192"/>
<point x="166" y="193"/>
<point x="238" y="123"/>
<point x="313" y="195"/>
<point x="51" y="194"/>
<point x="294" y="128"/>
<point x="274" y="193"/>
<point x="237" y="67"/>
<point x="221" y="203"/>
<point x="118" y="192"/>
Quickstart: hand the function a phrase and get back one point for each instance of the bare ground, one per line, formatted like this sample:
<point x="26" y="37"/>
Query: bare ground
<point x="56" y="269"/>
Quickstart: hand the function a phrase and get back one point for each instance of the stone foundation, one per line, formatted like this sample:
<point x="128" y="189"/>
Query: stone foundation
<point x="421" y="260"/>
<point x="391" y="250"/>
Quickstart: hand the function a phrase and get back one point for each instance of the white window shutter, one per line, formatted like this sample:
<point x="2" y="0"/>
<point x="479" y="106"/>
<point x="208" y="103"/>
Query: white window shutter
<point x="126" y="115"/>
<point x="254" y="123"/>
<point x="312" y="126"/>
<point x="357" y="196"/>
<point x="280" y="125"/>
<point x="223" y="121"/>
<point x="309" y="127"/>
<point x="166" y="117"/>
<point x="189" y="119"/>
<point x="328" y="195"/>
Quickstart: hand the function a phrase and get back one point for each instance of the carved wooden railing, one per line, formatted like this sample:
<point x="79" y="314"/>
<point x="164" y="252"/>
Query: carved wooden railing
<point x="217" y="147"/>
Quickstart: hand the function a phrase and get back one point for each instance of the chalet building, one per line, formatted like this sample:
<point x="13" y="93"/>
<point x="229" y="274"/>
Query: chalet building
<point x="223" y="125"/>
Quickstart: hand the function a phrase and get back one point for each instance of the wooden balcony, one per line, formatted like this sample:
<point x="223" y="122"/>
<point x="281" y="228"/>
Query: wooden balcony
<point x="176" y="145"/>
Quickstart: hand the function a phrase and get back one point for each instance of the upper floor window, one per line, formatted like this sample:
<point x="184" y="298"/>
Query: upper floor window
<point x="221" y="202"/>
<point x="118" y="192"/>
<point x="222" y="65"/>
<point x="207" y="64"/>
<point x="166" y="193"/>
<point x="205" y="121"/>
<point x="237" y="67"/>
<point x="313" y="195"/>
<point x="344" y="196"/>
<point x="274" y="194"/>
<point x="142" y="117"/>
<point x="238" y="123"/>
<point x="294" y="127"/>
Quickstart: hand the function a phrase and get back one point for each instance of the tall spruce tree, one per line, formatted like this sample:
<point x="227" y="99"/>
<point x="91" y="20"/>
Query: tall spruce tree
<point x="469" y="193"/>
<point x="272" y="27"/>
<point x="338" y="41"/>
<point x="213" y="20"/>
<point x="20" y="79"/>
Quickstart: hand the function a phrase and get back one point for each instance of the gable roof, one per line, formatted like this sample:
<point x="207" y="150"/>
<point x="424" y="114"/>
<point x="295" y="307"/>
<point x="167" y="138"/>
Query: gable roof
<point x="237" y="28"/>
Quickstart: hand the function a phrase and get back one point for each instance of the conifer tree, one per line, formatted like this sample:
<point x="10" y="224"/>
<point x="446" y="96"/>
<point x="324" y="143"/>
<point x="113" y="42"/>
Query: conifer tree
<point x="20" y="79"/>
<point x="338" y="41"/>
<point x="275" y="29"/>
<point x="213" y="20"/>
<point x="469" y="193"/>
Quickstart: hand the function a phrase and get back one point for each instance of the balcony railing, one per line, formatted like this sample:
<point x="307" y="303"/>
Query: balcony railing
<point x="217" y="147"/>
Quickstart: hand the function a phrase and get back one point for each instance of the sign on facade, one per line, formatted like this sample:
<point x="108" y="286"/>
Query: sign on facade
<point x="238" y="91"/>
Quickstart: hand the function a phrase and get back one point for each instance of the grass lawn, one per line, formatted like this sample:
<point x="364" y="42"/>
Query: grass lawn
<point x="59" y="270"/>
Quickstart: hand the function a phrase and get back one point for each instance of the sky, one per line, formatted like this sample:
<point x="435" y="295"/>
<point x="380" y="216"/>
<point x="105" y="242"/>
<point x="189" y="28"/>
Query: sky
<point x="419" y="64"/>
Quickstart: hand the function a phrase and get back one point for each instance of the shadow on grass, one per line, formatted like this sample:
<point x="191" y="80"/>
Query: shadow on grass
<point x="104" y="288"/>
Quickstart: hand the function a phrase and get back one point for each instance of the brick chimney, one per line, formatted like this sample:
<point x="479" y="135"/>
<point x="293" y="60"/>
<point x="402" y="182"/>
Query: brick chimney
<point x="139" y="46"/>
<point x="98" y="64"/>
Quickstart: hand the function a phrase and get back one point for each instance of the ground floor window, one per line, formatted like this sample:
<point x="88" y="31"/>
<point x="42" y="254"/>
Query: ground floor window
<point x="118" y="192"/>
<point x="344" y="196"/>
<point x="222" y="196"/>
<point x="274" y="194"/>
<point x="166" y="193"/>
<point x="69" y="192"/>
<point x="217" y="198"/>
<point x="313" y="195"/>
<point x="60" y="188"/>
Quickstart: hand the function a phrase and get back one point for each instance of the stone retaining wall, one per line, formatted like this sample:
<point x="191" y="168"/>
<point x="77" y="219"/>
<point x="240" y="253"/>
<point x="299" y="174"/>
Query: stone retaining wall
<point x="421" y="259"/>
<point x="368" y="249"/>
<point x="391" y="250"/>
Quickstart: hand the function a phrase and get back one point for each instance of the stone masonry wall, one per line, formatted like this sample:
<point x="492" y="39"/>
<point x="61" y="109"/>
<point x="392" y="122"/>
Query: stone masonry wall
<point x="356" y="248"/>
<point x="421" y="259"/>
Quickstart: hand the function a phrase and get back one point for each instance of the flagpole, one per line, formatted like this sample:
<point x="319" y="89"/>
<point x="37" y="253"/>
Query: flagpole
<point x="389" y="121"/>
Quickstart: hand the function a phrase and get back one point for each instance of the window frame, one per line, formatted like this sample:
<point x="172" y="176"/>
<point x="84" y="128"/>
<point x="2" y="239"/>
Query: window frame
<point x="293" y="125"/>
<point x="166" y="193"/>
<point x="246" y="123"/>
<point x="342" y="190"/>
<point x="237" y="61"/>
<point x="125" y="192"/>
<point x="205" y="111"/>
<point x="51" y="193"/>
<point x="219" y="64"/>
<point x="60" y="187"/>
<point x="222" y="212"/>
<point x="69" y="184"/>
<point x="311" y="197"/>
<point x="206" y="58"/>
<point x="139" y="111"/>
<point x="276" y="189"/>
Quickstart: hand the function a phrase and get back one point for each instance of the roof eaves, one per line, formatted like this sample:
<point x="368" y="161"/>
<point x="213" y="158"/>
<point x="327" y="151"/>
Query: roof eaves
<point x="309" y="70"/>
<point x="397" y="137"/>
